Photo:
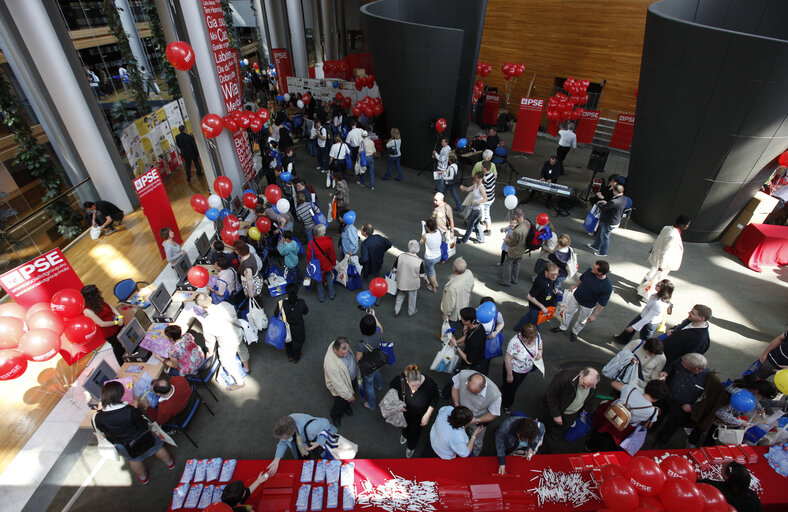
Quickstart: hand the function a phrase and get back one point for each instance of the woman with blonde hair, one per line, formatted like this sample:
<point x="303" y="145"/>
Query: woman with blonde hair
<point x="394" y="148"/>
<point x="420" y="394"/>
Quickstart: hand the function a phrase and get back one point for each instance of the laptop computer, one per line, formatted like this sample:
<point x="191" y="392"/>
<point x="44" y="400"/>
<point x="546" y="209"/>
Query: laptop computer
<point x="165" y="309"/>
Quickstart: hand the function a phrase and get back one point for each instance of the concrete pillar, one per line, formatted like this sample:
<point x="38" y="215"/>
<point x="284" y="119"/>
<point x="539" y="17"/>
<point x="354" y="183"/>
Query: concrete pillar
<point x="262" y="26"/>
<point x="329" y="30"/>
<point x="276" y="23"/>
<point x="127" y="20"/>
<point x="317" y="31"/>
<point x="295" y="18"/>
<point x="38" y="35"/>
<point x="341" y="29"/>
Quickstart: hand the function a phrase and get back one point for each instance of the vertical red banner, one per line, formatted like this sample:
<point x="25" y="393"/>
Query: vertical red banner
<point x="552" y="128"/>
<point x="586" y="126"/>
<point x="622" y="133"/>
<point x="38" y="279"/>
<point x="492" y="103"/>
<point x="283" y="68"/>
<point x="156" y="206"/>
<point x="228" y="71"/>
<point x="528" y="119"/>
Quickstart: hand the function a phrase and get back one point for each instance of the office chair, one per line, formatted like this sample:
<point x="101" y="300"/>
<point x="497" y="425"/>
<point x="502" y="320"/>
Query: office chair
<point x="182" y="420"/>
<point x="205" y="373"/>
<point x="125" y="289"/>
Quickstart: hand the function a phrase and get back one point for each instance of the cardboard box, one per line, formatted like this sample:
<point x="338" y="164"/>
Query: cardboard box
<point x="761" y="204"/>
<point x="130" y="311"/>
<point x="742" y="221"/>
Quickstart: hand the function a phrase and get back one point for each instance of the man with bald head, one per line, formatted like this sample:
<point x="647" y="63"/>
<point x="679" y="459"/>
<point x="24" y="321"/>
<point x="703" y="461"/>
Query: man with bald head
<point x="473" y="390"/>
<point x="569" y="394"/>
<point x="442" y="213"/>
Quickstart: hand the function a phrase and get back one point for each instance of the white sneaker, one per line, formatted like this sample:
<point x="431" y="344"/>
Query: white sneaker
<point x="402" y="439"/>
<point x="408" y="452"/>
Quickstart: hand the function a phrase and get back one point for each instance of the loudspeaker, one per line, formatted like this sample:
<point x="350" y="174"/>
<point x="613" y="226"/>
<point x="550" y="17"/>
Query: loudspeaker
<point x="598" y="159"/>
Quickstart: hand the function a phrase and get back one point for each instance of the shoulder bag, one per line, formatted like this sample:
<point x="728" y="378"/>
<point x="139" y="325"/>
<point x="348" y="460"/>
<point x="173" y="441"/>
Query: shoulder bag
<point x="619" y="414"/>
<point x="372" y="360"/>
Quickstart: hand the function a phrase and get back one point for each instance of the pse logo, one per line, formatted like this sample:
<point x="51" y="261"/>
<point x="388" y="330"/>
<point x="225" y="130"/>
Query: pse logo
<point x="148" y="178"/>
<point x="525" y="102"/>
<point x="38" y="265"/>
<point x="627" y="119"/>
<point x="587" y="114"/>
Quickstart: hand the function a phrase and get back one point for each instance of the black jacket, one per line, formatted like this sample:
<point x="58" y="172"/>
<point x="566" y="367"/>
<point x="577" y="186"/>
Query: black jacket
<point x="552" y="172"/>
<point x="561" y="392"/>
<point x="122" y="425"/>
<point x="683" y="341"/>
<point x="610" y="212"/>
<point x="187" y="146"/>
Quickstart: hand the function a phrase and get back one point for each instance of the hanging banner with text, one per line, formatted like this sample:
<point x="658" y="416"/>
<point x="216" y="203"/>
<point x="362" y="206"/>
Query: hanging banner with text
<point x="156" y="206"/>
<point x="227" y="69"/>
<point x="492" y="103"/>
<point x="528" y="118"/>
<point x="622" y="133"/>
<point x="586" y="126"/>
<point x="283" y="68"/>
<point x="38" y="279"/>
<point x="552" y="128"/>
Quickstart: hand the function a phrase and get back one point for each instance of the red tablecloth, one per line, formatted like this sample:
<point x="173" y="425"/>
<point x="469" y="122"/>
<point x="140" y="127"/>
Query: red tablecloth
<point x="454" y="480"/>
<point x="762" y="244"/>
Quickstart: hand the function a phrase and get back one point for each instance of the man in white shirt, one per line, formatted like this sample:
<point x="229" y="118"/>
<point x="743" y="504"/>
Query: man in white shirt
<point x="220" y="327"/>
<point x="321" y="136"/>
<point x="567" y="140"/>
<point x="479" y="394"/>
<point x="353" y="139"/>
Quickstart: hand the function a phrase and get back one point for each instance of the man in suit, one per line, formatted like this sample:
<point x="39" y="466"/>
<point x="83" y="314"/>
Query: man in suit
<point x="188" y="148"/>
<point x="691" y="335"/>
<point x="611" y="213"/>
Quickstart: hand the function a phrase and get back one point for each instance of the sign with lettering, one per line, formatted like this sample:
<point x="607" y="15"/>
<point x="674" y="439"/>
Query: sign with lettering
<point x="492" y="103"/>
<point x="622" y="133"/>
<point x="283" y="68"/>
<point x="528" y="118"/>
<point x="156" y="206"/>
<point x="38" y="279"/>
<point x="227" y="69"/>
<point x="586" y="126"/>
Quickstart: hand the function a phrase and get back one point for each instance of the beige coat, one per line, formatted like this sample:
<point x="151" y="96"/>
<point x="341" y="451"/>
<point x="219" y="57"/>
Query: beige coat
<point x="409" y="272"/>
<point x="336" y="375"/>
<point x="668" y="250"/>
<point x="517" y="239"/>
<point x="457" y="294"/>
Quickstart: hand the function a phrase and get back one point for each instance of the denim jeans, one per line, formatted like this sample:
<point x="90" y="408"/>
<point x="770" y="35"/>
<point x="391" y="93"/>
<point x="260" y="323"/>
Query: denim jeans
<point x="452" y="189"/>
<point x="440" y="185"/>
<point x="530" y="317"/>
<point x="429" y="266"/>
<point x="473" y="223"/>
<point x="371" y="383"/>
<point x="393" y="161"/>
<point x="602" y="240"/>
<point x="370" y="172"/>
<point x="328" y="279"/>
<point x="322" y="157"/>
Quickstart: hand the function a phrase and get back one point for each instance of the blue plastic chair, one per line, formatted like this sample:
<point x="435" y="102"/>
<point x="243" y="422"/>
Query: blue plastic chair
<point x="182" y="420"/>
<point x="205" y="373"/>
<point x="125" y="289"/>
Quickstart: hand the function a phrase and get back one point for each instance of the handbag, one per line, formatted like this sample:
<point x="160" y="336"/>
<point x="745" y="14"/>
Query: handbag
<point x="353" y="276"/>
<point x="391" y="407"/>
<point x="257" y="285"/>
<point x="105" y="448"/>
<point x="591" y="220"/>
<point x="560" y="310"/>
<point x="250" y="333"/>
<point x="446" y="359"/>
<point x="313" y="270"/>
<point x="339" y="447"/>
<point x="141" y="444"/>
<point x="727" y="435"/>
<point x="283" y="315"/>
<point x="361" y="163"/>
<point x="493" y="347"/>
<point x="348" y="158"/>
<point x="579" y="428"/>
<point x="341" y="271"/>
<point x="256" y="316"/>
<point x="372" y="360"/>
<point x="619" y="414"/>
<point x="95" y="232"/>
<point x="277" y="332"/>
<point x="317" y="216"/>
<point x="451" y="245"/>
<point x="391" y="281"/>
<point x="544" y="317"/>
<point x="160" y="433"/>
<point x="444" y="251"/>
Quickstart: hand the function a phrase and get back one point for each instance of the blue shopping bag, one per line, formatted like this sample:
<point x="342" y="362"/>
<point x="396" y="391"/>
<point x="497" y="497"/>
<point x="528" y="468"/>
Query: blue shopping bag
<point x="388" y="349"/>
<point x="276" y="334"/>
<point x="494" y="347"/>
<point x="591" y="222"/>
<point x="579" y="428"/>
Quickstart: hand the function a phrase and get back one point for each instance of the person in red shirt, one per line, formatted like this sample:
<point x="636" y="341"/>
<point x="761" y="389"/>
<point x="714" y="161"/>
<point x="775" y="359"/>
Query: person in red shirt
<point x="323" y="247"/>
<point x="173" y="394"/>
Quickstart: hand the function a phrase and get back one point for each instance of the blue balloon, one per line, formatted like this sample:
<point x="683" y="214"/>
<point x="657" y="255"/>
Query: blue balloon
<point x="286" y="177"/>
<point x="279" y="97"/>
<point x="273" y="74"/>
<point x="248" y="191"/>
<point x="224" y="212"/>
<point x="336" y="84"/>
<point x="743" y="401"/>
<point x="212" y="213"/>
<point x="486" y="312"/>
<point x="509" y="190"/>
<point x="365" y="299"/>
<point x="349" y="217"/>
<point x="462" y="143"/>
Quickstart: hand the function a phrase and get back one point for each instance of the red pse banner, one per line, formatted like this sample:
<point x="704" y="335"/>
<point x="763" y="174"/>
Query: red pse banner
<point x="156" y="206"/>
<point x="491" y="104"/>
<point x="283" y="68"/>
<point x="38" y="279"/>
<point x="622" y="133"/>
<point x="552" y="128"/>
<point x="227" y="69"/>
<point x="586" y="126"/>
<point x="528" y="119"/>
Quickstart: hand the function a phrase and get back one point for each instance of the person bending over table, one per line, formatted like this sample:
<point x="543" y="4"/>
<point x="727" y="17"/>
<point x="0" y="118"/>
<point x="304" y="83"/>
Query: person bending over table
<point x="448" y="437"/>
<point x="220" y="327"/>
<point x="235" y="494"/>
<point x="107" y="319"/>
<point x="517" y="435"/>
<point x="173" y="394"/>
<point x="301" y="434"/>
<point x="184" y="356"/>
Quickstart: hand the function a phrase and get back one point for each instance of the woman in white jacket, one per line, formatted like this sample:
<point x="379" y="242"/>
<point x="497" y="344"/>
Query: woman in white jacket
<point x="665" y="256"/>
<point x="652" y="315"/>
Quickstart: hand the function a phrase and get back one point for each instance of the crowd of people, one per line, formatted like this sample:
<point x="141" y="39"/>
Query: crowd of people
<point x="660" y="376"/>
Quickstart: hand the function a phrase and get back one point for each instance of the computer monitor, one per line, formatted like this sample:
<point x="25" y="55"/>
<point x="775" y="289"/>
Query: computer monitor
<point x="131" y="336"/>
<point x="160" y="299"/>
<point x="203" y="245"/>
<point x="98" y="377"/>
<point x="237" y="206"/>
<point x="182" y="266"/>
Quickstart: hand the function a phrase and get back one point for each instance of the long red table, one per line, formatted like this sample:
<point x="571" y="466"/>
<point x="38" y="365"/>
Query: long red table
<point x="456" y="479"/>
<point x="762" y="244"/>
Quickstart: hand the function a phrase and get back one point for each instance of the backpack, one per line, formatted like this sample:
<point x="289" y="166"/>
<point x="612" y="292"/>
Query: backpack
<point x="619" y="415"/>
<point x="535" y="238"/>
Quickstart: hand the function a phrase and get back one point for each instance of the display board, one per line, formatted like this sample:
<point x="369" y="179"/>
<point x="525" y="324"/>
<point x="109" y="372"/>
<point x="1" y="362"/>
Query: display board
<point x="150" y="141"/>
<point x="323" y="88"/>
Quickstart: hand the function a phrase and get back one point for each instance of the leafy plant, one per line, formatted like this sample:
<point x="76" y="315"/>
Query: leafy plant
<point x="230" y="24"/>
<point x="168" y="72"/>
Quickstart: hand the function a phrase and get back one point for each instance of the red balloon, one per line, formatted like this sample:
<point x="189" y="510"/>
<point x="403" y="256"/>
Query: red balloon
<point x="198" y="276"/>
<point x="81" y="330"/>
<point x="244" y="121"/>
<point x="229" y="235"/>
<point x="35" y="308"/>
<point x="273" y="193"/>
<point x="369" y="111"/>
<point x="68" y="303"/>
<point x="677" y="466"/>
<point x="199" y="203"/>
<point x="250" y="200"/>
<point x="618" y="494"/>
<point x="650" y="503"/>
<point x="714" y="500"/>
<point x="645" y="475"/>
<point x="255" y="124"/>
<point x="256" y="65"/>
<point x="180" y="55"/>
<point x="263" y="115"/>
<point x="783" y="159"/>
<point x="377" y="110"/>
<point x="356" y="111"/>
<point x="40" y="344"/>
<point x="542" y="219"/>
<point x="440" y="125"/>
<point x="12" y="364"/>
<point x="47" y="320"/>
<point x="230" y="123"/>
<point x="211" y="126"/>
<point x="358" y="83"/>
<point x="378" y="287"/>
<point x="11" y="331"/>
<point x="339" y="97"/>
<point x="232" y="222"/>
<point x="263" y="224"/>
<point x="681" y="495"/>
<point x="346" y="102"/>
<point x="223" y="186"/>
<point x="612" y="470"/>
<point x="14" y="310"/>
<point x="306" y="98"/>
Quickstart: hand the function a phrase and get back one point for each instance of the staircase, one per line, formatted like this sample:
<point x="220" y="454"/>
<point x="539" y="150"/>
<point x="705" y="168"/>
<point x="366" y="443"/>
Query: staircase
<point x="604" y="131"/>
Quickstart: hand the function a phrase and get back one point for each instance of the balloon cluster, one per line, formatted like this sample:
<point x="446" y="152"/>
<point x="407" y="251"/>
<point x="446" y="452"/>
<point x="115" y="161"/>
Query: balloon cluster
<point x="482" y="68"/>
<point x="510" y="197"/>
<point x="510" y="69"/>
<point x="343" y="100"/>
<point x="669" y="486"/>
<point x="364" y="81"/>
<point x="561" y="107"/>
<point x="306" y="98"/>
<point x="34" y="334"/>
<point x="377" y="289"/>
<point x="335" y="68"/>
<point x="370" y="107"/>
<point x="478" y="88"/>
<point x="212" y="124"/>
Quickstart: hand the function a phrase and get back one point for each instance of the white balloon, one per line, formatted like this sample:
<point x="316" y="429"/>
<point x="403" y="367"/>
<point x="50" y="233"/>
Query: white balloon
<point x="283" y="205"/>
<point x="300" y="104"/>
<point x="510" y="202"/>
<point x="214" y="201"/>
<point x="287" y="97"/>
<point x="246" y="62"/>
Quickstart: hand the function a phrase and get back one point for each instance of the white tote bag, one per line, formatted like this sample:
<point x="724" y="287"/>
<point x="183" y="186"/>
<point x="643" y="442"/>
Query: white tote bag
<point x="341" y="448"/>
<point x="256" y="316"/>
<point x="105" y="448"/>
<point x="95" y="232"/>
<point x="341" y="270"/>
<point x="391" y="281"/>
